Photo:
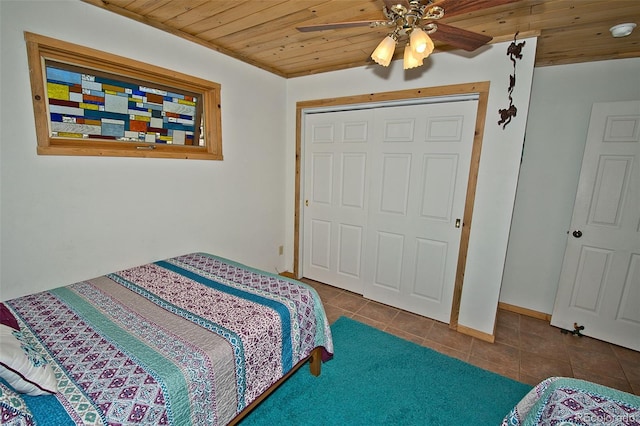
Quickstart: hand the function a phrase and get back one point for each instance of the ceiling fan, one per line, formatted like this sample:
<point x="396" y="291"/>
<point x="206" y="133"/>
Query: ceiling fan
<point x="415" y="20"/>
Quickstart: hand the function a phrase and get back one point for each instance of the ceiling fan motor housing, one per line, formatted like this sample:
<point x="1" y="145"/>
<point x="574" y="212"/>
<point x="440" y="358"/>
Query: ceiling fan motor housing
<point x="406" y="18"/>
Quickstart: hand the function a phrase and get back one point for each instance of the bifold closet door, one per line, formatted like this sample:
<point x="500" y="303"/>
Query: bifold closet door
<point x="421" y="160"/>
<point x="336" y="167"/>
<point x="383" y="191"/>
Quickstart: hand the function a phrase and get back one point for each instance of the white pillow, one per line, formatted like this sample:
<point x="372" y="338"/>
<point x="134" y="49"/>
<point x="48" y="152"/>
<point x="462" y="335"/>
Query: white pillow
<point x="22" y="366"/>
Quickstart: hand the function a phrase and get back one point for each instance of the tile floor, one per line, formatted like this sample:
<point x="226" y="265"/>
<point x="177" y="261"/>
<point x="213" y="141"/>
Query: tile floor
<point x="525" y="348"/>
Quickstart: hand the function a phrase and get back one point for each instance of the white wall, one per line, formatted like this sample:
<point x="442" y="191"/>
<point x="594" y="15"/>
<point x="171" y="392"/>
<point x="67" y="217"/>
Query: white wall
<point x="556" y="132"/>
<point x="65" y="219"/>
<point x="500" y="160"/>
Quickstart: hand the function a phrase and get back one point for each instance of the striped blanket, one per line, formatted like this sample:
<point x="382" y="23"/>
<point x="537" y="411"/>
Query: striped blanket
<point x="189" y="340"/>
<point x="565" y="401"/>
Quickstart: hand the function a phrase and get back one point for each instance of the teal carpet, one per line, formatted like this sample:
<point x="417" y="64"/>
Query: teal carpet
<point x="375" y="378"/>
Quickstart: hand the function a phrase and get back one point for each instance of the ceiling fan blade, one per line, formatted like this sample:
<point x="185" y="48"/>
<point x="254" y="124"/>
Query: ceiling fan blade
<point x="338" y="25"/>
<point x="456" y="7"/>
<point x="457" y="37"/>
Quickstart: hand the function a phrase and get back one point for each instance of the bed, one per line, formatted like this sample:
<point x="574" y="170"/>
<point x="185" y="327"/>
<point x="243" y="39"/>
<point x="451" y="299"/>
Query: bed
<point x="194" y="339"/>
<point x="564" y="401"/>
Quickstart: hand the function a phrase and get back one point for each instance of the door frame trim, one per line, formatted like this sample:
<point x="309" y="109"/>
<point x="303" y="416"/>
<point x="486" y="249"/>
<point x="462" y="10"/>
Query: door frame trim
<point x="479" y="88"/>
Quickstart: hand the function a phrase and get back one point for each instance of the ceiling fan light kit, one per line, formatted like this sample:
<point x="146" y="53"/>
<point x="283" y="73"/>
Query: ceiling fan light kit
<point x="406" y="17"/>
<point x="384" y="52"/>
<point x="419" y="40"/>
<point x="413" y="20"/>
<point x="411" y="59"/>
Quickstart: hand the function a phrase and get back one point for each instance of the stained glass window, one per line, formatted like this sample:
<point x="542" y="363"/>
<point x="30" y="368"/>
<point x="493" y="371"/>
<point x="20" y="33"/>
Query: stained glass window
<point x="84" y="104"/>
<point x="88" y="102"/>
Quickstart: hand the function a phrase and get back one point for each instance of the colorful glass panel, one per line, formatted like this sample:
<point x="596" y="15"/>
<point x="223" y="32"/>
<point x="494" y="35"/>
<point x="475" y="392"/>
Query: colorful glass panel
<point x="86" y="105"/>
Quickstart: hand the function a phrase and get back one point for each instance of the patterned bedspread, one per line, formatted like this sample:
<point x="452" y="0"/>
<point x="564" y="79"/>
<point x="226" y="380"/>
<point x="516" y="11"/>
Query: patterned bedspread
<point x="188" y="340"/>
<point x="565" y="401"/>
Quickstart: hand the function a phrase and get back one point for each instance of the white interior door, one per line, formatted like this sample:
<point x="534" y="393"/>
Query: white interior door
<point x="421" y="157"/>
<point x="336" y="185"/>
<point x="383" y="190"/>
<point x="599" y="284"/>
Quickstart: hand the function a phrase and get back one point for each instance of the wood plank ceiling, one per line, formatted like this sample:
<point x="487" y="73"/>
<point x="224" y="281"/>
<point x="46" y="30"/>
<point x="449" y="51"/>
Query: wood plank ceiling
<point x="263" y="32"/>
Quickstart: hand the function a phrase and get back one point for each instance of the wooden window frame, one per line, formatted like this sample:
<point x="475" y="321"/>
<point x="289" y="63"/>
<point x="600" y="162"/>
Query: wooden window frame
<point x="41" y="49"/>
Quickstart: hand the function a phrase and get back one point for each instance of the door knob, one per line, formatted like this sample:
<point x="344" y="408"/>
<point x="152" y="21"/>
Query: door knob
<point x="577" y="233"/>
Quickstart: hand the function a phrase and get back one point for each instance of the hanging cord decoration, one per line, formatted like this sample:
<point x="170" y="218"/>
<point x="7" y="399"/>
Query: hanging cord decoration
<point x="514" y="52"/>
